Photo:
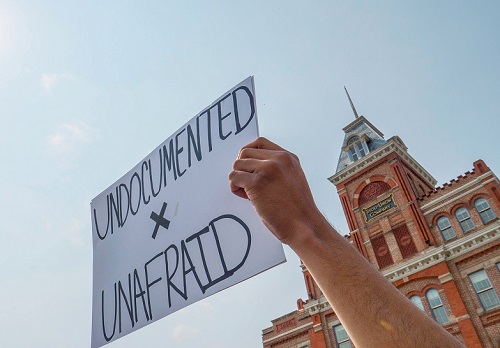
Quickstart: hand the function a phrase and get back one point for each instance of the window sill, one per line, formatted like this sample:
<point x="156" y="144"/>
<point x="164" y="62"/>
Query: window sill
<point x="490" y="316"/>
<point x="492" y="221"/>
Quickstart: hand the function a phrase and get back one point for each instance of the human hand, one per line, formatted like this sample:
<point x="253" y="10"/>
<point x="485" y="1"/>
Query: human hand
<point x="272" y="179"/>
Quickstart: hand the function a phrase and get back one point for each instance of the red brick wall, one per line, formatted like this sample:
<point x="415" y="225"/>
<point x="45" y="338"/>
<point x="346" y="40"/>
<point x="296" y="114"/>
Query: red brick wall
<point x="382" y="171"/>
<point x="405" y="241"/>
<point x="449" y="209"/>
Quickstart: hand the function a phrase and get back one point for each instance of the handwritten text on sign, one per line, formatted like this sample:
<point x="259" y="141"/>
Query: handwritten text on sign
<point x="169" y="232"/>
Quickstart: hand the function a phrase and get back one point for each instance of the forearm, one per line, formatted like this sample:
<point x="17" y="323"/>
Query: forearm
<point x="373" y="311"/>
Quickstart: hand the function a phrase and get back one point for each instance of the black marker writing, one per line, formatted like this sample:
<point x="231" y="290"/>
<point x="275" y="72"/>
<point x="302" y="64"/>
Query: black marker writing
<point x="173" y="159"/>
<point x="132" y="298"/>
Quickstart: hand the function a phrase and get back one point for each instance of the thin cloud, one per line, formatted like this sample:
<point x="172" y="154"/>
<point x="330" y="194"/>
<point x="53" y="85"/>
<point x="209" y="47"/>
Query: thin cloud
<point x="182" y="333"/>
<point x="49" y="80"/>
<point x="73" y="232"/>
<point x="68" y="137"/>
<point x="67" y="230"/>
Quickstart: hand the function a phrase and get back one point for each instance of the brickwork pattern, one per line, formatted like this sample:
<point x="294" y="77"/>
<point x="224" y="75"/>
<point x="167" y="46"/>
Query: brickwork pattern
<point x="449" y="209"/>
<point x="373" y="190"/>
<point x="291" y="342"/>
<point x="419" y="287"/>
<point x="444" y="189"/>
<point x="488" y="261"/>
<point x="475" y="320"/>
<point x="420" y="187"/>
<point x="381" y="168"/>
<point x="382" y="253"/>
<point x="388" y="220"/>
<point x="405" y="241"/>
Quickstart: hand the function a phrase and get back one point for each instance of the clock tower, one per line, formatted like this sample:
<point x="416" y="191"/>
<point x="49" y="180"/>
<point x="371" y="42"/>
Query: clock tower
<point x="440" y="246"/>
<point x="379" y="184"/>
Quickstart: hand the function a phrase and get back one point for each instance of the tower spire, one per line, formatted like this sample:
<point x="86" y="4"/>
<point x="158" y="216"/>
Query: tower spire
<point x="352" y="105"/>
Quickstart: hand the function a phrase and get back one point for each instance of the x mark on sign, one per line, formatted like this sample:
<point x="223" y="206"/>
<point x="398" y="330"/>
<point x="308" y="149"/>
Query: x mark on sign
<point x="160" y="220"/>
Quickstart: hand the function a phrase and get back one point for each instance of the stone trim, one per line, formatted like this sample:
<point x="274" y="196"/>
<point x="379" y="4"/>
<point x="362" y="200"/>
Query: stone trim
<point x="444" y="278"/>
<point x="443" y="253"/>
<point x="298" y="328"/>
<point x="317" y="306"/>
<point x="362" y="119"/>
<point x="476" y="181"/>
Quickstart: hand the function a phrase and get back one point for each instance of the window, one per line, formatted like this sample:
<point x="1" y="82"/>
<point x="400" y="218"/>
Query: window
<point x="464" y="219"/>
<point x="361" y="149"/>
<point x="357" y="148"/>
<point x="418" y="302"/>
<point x="437" y="307"/>
<point x="352" y="154"/>
<point x="484" y="210"/>
<point x="444" y="226"/>
<point x="353" y="140"/>
<point x="484" y="290"/>
<point x="341" y="337"/>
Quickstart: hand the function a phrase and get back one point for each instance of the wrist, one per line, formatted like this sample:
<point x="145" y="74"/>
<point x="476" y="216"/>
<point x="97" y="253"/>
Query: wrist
<point x="311" y="233"/>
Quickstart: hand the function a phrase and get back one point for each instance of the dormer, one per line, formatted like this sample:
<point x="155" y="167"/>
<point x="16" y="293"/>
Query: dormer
<point x="361" y="138"/>
<point x="356" y="147"/>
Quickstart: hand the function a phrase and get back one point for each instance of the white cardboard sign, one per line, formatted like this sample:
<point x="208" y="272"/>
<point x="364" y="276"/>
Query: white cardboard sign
<point x="170" y="232"/>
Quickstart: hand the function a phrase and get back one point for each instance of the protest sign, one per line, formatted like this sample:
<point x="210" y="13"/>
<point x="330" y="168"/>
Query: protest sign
<point x="170" y="232"/>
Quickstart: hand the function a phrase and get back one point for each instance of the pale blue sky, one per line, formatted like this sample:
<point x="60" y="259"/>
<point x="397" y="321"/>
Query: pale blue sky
<point x="88" y="88"/>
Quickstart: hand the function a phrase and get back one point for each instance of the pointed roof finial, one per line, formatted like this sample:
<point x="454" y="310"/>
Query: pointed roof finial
<point x="352" y="105"/>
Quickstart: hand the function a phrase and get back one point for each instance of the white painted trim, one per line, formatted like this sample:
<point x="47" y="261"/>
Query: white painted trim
<point x="438" y="254"/>
<point x="317" y="306"/>
<point x="392" y="145"/>
<point x="476" y="181"/>
<point x="287" y="333"/>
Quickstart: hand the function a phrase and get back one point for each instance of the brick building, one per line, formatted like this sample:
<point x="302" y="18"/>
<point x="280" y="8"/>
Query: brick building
<point x="440" y="246"/>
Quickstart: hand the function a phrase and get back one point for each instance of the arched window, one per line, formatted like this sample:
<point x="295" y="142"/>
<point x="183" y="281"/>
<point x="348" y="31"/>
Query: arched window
<point x="357" y="148"/>
<point x="352" y="154"/>
<point x="444" y="226"/>
<point x="417" y="301"/>
<point x="353" y="140"/>
<point x="484" y="210"/>
<point x="437" y="307"/>
<point x="464" y="219"/>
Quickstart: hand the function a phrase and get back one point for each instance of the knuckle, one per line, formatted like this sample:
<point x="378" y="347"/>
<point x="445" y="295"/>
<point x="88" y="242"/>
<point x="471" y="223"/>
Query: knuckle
<point x="236" y="164"/>
<point x="260" y="180"/>
<point x="244" y="153"/>
<point x="261" y="142"/>
<point x="287" y="158"/>
<point x="274" y="166"/>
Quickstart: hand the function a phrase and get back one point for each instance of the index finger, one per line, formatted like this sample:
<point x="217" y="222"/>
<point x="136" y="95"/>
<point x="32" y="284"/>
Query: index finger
<point x="263" y="143"/>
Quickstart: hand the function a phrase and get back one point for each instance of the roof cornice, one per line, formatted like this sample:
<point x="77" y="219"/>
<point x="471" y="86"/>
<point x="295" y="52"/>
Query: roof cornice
<point x="362" y="119"/>
<point x="394" y="144"/>
<point x="442" y="253"/>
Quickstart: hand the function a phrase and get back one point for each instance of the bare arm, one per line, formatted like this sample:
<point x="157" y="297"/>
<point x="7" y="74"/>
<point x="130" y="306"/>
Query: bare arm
<point x="376" y="314"/>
